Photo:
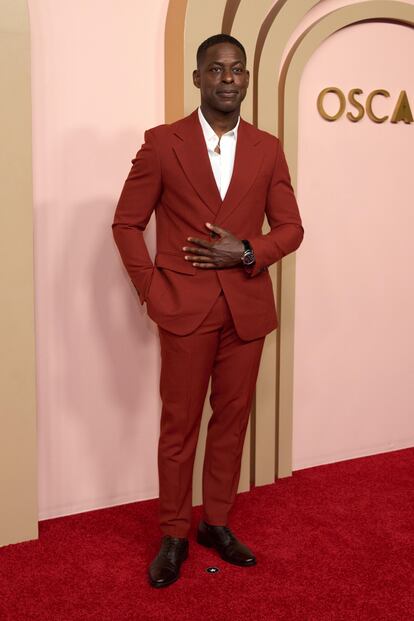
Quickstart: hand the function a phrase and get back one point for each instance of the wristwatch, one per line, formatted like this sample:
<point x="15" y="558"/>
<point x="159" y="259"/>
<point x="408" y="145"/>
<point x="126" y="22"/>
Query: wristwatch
<point x="248" y="258"/>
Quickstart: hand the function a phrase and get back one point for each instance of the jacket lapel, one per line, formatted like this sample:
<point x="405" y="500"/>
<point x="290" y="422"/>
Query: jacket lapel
<point x="247" y="162"/>
<point x="193" y="157"/>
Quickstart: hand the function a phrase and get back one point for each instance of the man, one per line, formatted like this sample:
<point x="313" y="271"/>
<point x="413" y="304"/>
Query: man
<point x="211" y="179"/>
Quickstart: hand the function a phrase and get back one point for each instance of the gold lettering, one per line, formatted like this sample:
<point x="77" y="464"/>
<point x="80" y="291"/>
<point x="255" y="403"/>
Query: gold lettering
<point x="342" y="103"/>
<point x="402" y="110"/>
<point x="372" y="116"/>
<point x="351" y="98"/>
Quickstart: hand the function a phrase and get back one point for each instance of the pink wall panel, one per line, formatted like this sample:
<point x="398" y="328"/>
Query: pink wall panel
<point x="354" y="340"/>
<point x="97" y="83"/>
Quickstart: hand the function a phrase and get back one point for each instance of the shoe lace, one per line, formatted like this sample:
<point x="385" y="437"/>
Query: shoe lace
<point x="229" y="535"/>
<point x="169" y="546"/>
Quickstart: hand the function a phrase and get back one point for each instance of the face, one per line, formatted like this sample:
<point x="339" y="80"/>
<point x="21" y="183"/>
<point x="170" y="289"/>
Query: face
<point x="222" y="78"/>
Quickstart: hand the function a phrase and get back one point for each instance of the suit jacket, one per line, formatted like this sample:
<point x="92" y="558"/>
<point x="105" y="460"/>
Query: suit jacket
<point x="172" y="175"/>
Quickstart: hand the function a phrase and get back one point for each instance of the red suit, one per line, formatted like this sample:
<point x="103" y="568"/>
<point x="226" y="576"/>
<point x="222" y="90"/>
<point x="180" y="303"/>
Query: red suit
<point x="212" y="322"/>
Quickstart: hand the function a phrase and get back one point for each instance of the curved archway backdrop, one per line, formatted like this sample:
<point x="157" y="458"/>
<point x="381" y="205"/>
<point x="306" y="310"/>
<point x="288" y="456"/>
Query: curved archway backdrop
<point x="354" y="342"/>
<point x="280" y="37"/>
<point x="96" y="373"/>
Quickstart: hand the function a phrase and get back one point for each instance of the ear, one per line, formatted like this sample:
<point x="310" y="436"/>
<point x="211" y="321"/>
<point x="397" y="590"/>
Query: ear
<point x="196" y="78"/>
<point x="248" y="77"/>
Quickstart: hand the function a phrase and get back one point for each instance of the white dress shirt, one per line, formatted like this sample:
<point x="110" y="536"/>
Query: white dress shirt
<point x="222" y="163"/>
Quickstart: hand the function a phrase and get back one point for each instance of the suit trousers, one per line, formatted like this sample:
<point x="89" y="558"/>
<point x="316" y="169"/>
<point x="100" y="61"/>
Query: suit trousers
<point x="213" y="350"/>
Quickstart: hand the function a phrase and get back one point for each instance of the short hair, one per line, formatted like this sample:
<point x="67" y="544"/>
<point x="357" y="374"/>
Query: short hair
<point x="214" y="40"/>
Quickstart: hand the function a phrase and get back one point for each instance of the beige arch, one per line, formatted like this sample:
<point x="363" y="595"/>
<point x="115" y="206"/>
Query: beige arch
<point x="18" y="463"/>
<point x="174" y="61"/>
<point x="269" y="25"/>
<point x="189" y="22"/>
<point x="265" y="27"/>
<point x="201" y="21"/>
<point x="306" y="45"/>
<point x="247" y="23"/>
<point x="229" y="15"/>
<point x="271" y="44"/>
<point x="290" y="78"/>
<point x="249" y="26"/>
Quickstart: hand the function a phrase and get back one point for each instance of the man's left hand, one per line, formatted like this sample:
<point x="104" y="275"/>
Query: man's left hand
<point x="225" y="252"/>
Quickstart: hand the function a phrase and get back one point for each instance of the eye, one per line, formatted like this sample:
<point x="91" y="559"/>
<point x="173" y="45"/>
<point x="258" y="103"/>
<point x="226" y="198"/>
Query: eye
<point x="238" y="70"/>
<point x="215" y="69"/>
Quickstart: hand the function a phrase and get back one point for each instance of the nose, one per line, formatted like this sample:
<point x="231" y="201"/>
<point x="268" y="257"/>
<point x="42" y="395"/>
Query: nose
<point x="228" y="76"/>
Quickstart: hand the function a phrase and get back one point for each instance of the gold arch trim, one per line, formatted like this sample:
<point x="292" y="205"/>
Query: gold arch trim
<point x="174" y="60"/>
<point x="289" y="84"/>
<point x="18" y="443"/>
<point x="230" y="12"/>
<point x="272" y="104"/>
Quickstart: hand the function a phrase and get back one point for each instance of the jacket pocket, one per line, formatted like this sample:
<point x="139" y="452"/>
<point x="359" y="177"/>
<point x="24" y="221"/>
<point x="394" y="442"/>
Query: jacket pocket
<point x="174" y="262"/>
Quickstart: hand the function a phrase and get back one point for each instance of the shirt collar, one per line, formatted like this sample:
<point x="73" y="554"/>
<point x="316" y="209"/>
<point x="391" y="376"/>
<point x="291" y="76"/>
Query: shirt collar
<point x="209" y="133"/>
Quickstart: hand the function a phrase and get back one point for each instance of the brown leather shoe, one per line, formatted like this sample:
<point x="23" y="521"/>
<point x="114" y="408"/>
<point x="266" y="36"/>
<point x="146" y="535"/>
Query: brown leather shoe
<point x="222" y="539"/>
<point x="165" y="568"/>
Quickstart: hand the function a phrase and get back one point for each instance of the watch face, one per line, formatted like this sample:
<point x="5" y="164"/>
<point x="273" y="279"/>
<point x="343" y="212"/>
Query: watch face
<point x="248" y="258"/>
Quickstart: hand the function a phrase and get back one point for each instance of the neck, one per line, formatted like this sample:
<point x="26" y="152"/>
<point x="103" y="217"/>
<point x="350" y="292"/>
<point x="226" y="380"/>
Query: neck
<point x="220" y="122"/>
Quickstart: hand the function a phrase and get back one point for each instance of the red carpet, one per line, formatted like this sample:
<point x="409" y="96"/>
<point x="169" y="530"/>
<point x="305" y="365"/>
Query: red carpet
<point x="334" y="543"/>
